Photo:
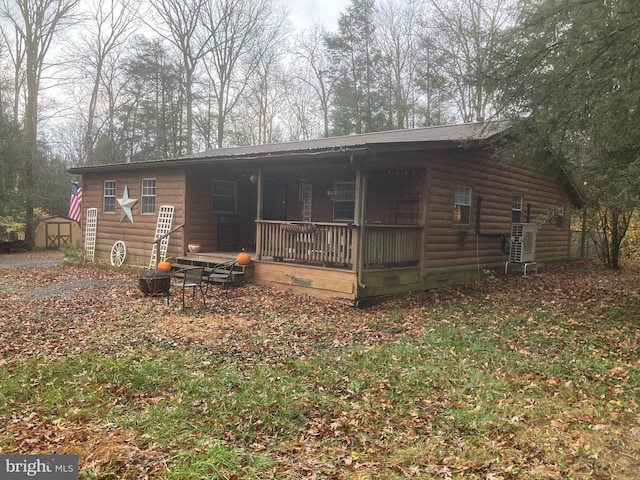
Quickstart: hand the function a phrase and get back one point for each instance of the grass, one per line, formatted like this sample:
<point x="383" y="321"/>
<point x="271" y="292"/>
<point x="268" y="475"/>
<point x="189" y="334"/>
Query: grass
<point x="474" y="386"/>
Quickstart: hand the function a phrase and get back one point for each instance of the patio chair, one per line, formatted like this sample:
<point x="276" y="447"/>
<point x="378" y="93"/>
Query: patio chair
<point x="221" y="274"/>
<point x="191" y="278"/>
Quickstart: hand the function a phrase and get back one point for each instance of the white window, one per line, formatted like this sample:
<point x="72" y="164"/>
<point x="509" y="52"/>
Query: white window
<point x="462" y="206"/>
<point x="559" y="215"/>
<point x="224" y="196"/>
<point x="148" y="195"/>
<point x="344" y="201"/>
<point x="516" y="209"/>
<point x="109" y="197"/>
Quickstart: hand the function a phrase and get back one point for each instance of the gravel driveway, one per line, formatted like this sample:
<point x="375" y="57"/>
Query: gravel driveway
<point x="30" y="259"/>
<point x="68" y="283"/>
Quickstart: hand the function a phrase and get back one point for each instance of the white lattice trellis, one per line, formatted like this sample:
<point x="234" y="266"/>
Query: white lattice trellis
<point x="91" y="228"/>
<point x="163" y="227"/>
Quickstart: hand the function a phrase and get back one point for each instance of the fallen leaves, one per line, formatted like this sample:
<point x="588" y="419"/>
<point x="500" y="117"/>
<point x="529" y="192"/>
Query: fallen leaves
<point x="59" y="312"/>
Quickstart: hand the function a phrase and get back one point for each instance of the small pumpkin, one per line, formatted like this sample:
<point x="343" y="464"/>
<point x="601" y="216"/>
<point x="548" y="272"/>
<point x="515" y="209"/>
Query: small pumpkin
<point x="164" y="266"/>
<point x="244" y="258"/>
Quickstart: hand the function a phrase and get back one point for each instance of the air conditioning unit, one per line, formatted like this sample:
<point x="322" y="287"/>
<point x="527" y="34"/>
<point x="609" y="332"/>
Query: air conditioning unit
<point x="523" y="243"/>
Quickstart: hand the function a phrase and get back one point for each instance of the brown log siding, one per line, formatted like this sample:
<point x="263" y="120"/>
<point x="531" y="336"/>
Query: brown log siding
<point x="138" y="236"/>
<point x="452" y="245"/>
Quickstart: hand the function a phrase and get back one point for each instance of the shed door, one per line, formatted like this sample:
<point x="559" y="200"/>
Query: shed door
<point x="58" y="234"/>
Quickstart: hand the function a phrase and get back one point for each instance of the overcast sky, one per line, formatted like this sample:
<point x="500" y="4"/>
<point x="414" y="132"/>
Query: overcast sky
<point x="309" y="12"/>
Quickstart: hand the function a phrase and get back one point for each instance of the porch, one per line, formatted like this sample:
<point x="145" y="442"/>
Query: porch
<point x="323" y="259"/>
<point x="339" y="245"/>
<point x="340" y="261"/>
<point x="311" y="230"/>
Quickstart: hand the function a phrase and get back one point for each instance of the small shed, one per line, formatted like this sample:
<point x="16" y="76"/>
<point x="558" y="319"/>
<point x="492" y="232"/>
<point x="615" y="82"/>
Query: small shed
<point x="55" y="232"/>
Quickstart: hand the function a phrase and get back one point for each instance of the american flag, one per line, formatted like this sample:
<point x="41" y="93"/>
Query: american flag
<point x="75" y="205"/>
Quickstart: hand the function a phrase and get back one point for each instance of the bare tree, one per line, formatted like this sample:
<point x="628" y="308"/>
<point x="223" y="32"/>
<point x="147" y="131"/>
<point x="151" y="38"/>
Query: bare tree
<point x="313" y="68"/>
<point x="235" y="29"/>
<point x="266" y="100"/>
<point x="397" y="25"/>
<point x="70" y="138"/>
<point x="204" y="118"/>
<point x="16" y="56"/>
<point x="464" y="31"/>
<point x="268" y="85"/>
<point x="184" y="21"/>
<point x="112" y="24"/>
<point x="36" y="24"/>
<point x="304" y="120"/>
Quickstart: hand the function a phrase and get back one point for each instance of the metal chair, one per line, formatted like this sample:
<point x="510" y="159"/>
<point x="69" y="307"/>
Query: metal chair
<point x="191" y="278"/>
<point x="221" y="273"/>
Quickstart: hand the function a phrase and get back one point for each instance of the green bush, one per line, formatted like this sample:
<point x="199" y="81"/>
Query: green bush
<point x="631" y="243"/>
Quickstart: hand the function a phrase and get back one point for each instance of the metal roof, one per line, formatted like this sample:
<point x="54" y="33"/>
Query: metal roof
<point x="443" y="136"/>
<point x="444" y="133"/>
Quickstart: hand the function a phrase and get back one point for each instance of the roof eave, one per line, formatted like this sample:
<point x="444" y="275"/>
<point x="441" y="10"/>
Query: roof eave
<point x="340" y="148"/>
<point x="237" y="160"/>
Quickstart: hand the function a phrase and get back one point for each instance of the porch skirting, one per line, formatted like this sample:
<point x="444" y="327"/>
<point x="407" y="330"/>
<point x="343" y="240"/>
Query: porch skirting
<point x="376" y="285"/>
<point x="339" y="284"/>
<point x="317" y="281"/>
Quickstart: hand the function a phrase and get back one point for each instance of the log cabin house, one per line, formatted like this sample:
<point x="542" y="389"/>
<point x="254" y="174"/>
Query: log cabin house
<point x="356" y="218"/>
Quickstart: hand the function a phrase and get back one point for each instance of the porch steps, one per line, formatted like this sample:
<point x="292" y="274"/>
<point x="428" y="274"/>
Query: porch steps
<point x="239" y="274"/>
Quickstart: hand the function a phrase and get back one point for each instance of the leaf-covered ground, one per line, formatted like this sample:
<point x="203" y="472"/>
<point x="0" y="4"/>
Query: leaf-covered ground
<point x="514" y="377"/>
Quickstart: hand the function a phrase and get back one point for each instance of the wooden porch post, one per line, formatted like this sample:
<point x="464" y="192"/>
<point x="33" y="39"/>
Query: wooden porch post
<point x="259" y="213"/>
<point x="360" y="210"/>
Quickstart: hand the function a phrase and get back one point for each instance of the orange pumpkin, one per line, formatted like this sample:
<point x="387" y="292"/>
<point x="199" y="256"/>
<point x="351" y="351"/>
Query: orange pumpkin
<point x="164" y="266"/>
<point x="244" y="258"/>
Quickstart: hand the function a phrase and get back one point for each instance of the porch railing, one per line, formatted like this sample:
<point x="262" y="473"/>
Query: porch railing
<point x="322" y="243"/>
<point x="391" y="245"/>
<point x="335" y="244"/>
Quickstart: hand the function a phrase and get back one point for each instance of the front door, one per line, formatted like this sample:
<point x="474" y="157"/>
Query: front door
<point x="228" y="233"/>
<point x="274" y="205"/>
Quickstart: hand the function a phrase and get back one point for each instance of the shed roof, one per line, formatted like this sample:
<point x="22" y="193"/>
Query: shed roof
<point x="53" y="218"/>
<point x="443" y="136"/>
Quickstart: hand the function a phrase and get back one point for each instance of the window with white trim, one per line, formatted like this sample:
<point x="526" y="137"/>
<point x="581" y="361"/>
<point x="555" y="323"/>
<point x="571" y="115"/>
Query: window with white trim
<point x="559" y="216"/>
<point x="109" y="197"/>
<point x="148" y="200"/>
<point x="224" y="196"/>
<point x="344" y="201"/>
<point x="516" y="209"/>
<point x="462" y="206"/>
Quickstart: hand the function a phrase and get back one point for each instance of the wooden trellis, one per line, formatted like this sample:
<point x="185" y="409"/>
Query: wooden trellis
<point x="90" y="234"/>
<point x="163" y="228"/>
